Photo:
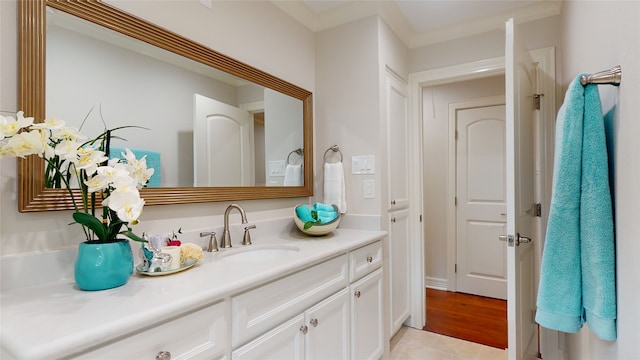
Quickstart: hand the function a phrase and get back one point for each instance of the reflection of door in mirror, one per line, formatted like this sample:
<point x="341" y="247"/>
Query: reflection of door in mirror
<point x="129" y="82"/>
<point x="223" y="146"/>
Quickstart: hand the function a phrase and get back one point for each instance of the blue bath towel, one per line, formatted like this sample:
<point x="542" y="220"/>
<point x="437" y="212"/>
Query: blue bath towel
<point x="597" y="244"/>
<point x="577" y="279"/>
<point x="153" y="162"/>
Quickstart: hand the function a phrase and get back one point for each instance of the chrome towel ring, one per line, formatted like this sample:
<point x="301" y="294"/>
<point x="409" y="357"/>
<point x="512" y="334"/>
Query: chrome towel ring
<point x="334" y="148"/>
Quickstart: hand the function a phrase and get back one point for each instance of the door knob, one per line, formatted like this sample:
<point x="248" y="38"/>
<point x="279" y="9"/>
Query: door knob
<point x="514" y="240"/>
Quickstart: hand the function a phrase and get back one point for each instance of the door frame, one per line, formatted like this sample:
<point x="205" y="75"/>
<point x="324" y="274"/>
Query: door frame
<point x="452" y="177"/>
<point x="545" y="120"/>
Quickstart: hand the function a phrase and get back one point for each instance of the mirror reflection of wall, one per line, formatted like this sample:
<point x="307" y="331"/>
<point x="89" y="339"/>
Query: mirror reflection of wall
<point x="125" y="83"/>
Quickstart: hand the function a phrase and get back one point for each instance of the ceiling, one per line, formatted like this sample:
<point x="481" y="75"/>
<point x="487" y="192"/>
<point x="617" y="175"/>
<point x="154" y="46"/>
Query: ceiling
<point x="421" y="22"/>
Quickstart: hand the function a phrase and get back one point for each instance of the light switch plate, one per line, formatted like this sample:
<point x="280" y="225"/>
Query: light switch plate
<point x="276" y="168"/>
<point x="369" y="189"/>
<point x="363" y="165"/>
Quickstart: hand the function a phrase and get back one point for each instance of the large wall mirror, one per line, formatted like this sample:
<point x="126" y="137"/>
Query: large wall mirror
<point x="215" y="129"/>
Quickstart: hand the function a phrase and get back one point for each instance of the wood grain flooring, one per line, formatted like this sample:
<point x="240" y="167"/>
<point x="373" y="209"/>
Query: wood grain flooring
<point x="469" y="317"/>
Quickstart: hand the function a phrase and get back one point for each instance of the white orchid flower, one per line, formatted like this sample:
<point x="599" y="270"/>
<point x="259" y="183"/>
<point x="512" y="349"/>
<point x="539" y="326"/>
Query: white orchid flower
<point x="24" y="144"/>
<point x="127" y="204"/>
<point x="137" y="168"/>
<point x="49" y="124"/>
<point x="10" y="126"/>
<point x="96" y="184"/>
<point x="89" y="158"/>
<point x="67" y="150"/>
<point x="67" y="133"/>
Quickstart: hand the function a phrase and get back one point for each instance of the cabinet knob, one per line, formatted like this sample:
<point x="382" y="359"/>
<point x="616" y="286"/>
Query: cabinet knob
<point x="357" y="293"/>
<point x="393" y="202"/>
<point x="314" y="322"/>
<point x="163" y="355"/>
<point x="304" y="329"/>
<point x="393" y="220"/>
<point x="369" y="259"/>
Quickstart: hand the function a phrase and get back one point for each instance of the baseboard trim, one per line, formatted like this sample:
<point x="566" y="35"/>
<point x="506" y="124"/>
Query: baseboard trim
<point x="435" y="283"/>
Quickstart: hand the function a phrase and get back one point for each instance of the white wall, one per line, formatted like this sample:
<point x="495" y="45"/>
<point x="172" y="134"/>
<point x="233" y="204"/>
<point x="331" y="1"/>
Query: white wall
<point x="347" y="104"/>
<point x="597" y="35"/>
<point x="257" y="33"/>
<point x="537" y="34"/>
<point x="283" y="130"/>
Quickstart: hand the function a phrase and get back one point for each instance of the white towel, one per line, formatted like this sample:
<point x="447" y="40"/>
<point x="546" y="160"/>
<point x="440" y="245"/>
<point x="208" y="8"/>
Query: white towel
<point x="334" y="189"/>
<point x="293" y="175"/>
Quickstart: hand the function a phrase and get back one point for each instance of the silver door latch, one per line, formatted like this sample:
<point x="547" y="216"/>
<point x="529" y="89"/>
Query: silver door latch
<point x="514" y="240"/>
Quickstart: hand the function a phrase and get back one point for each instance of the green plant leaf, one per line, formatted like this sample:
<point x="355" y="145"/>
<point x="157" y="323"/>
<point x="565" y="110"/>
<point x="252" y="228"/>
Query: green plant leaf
<point x="308" y="224"/>
<point x="92" y="223"/>
<point x="128" y="233"/>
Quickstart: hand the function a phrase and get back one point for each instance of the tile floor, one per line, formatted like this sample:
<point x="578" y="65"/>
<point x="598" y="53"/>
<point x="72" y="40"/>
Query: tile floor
<point x="410" y="343"/>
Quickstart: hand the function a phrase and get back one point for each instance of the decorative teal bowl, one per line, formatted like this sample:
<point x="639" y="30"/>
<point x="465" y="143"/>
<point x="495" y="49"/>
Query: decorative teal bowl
<point x="317" y="230"/>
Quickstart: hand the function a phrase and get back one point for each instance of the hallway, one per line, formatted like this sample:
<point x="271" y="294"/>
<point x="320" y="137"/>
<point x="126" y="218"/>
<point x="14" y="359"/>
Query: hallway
<point x="473" y="318"/>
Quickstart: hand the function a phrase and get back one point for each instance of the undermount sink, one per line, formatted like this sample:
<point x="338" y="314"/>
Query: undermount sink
<point x="260" y="253"/>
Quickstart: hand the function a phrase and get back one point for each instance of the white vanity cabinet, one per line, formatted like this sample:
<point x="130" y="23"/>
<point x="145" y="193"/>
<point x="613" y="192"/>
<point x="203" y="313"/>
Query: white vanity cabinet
<point x="322" y="332"/>
<point x="200" y="334"/>
<point x="366" y="317"/>
<point x="345" y="323"/>
<point x="324" y="302"/>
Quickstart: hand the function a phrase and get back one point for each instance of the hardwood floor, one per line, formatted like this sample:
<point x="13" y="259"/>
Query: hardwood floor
<point x="469" y="317"/>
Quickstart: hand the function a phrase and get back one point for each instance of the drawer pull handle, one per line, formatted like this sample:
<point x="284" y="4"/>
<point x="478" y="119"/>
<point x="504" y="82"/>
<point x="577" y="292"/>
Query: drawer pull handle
<point x="369" y="259"/>
<point x="314" y="322"/>
<point x="357" y="293"/>
<point x="163" y="355"/>
<point x="304" y="329"/>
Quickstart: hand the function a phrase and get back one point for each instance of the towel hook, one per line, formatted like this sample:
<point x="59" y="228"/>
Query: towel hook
<point x="334" y="148"/>
<point x="296" y="151"/>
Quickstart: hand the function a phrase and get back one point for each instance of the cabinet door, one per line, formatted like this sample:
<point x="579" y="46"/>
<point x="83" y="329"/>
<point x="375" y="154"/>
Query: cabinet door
<point x="201" y="334"/>
<point x="366" y="317"/>
<point x="284" y="342"/>
<point x="397" y="121"/>
<point x="328" y="323"/>
<point x="400" y="271"/>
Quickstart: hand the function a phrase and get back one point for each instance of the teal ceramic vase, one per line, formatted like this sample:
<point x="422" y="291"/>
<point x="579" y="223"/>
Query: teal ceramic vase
<point x="102" y="266"/>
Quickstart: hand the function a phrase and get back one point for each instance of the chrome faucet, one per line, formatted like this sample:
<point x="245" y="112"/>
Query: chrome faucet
<point x="225" y="242"/>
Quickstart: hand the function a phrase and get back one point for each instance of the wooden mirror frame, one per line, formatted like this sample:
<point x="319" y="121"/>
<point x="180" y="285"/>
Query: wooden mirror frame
<point x="33" y="196"/>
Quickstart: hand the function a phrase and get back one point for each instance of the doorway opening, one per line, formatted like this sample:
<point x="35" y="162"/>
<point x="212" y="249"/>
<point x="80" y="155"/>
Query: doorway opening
<point x="465" y="122"/>
<point x="543" y="139"/>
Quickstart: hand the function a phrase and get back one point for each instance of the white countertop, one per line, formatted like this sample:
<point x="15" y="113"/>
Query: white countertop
<point x="55" y="319"/>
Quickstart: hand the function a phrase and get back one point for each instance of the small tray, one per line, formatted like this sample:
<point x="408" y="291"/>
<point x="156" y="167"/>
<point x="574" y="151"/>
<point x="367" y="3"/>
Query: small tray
<point x="188" y="263"/>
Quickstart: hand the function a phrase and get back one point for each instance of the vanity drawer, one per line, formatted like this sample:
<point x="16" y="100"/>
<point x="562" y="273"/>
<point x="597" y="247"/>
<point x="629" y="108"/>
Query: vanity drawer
<point x="201" y="334"/>
<point x="261" y="309"/>
<point x="364" y="260"/>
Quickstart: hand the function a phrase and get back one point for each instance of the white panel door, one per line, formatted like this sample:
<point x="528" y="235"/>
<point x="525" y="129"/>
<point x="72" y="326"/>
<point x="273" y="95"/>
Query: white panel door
<point x="481" y="212"/>
<point x="520" y="85"/>
<point x="397" y="142"/>
<point x="367" y="331"/>
<point x="328" y="328"/>
<point x="284" y="342"/>
<point x="223" y="145"/>
<point x="400" y="271"/>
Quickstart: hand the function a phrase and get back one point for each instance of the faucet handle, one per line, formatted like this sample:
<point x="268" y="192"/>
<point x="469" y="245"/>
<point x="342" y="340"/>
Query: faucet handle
<point x="213" y="243"/>
<point x="246" y="240"/>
